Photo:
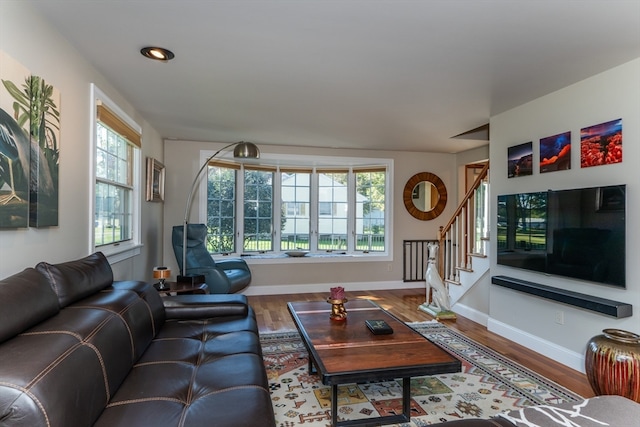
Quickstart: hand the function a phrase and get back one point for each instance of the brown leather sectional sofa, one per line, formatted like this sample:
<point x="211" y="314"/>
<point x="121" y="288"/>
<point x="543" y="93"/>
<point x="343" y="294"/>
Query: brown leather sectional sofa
<point x="78" y="349"/>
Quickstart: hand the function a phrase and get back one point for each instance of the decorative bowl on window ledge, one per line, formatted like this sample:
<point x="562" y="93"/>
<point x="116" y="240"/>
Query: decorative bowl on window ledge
<point x="296" y="254"/>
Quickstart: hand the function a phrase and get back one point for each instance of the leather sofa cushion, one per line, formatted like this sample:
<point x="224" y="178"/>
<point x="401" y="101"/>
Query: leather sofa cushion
<point x="77" y="279"/>
<point x="114" y="359"/>
<point x="205" y="306"/>
<point x="196" y="373"/>
<point x="26" y="299"/>
<point x="64" y="370"/>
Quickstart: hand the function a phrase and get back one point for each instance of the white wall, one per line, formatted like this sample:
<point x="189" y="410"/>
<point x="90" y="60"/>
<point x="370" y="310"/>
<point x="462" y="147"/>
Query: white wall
<point x="608" y="96"/>
<point x="28" y="39"/>
<point x="293" y="275"/>
<point x="45" y="53"/>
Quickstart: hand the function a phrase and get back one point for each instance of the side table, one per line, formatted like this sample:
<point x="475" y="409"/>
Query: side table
<point x="175" y="288"/>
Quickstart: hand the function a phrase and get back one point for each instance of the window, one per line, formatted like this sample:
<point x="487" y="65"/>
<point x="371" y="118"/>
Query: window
<point x="296" y="199"/>
<point x="291" y="208"/>
<point x="116" y="191"/>
<point x="370" y="208"/>
<point x="333" y="210"/>
<point x="258" y="211"/>
<point x="221" y="211"/>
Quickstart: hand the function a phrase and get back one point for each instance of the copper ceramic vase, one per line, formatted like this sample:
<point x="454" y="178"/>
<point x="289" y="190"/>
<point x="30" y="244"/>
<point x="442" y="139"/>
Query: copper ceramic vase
<point x="612" y="364"/>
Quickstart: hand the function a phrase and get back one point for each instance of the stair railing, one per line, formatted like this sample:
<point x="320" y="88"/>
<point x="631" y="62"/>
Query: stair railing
<point x="466" y="231"/>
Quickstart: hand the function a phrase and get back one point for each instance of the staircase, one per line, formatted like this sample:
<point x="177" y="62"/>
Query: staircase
<point x="464" y="240"/>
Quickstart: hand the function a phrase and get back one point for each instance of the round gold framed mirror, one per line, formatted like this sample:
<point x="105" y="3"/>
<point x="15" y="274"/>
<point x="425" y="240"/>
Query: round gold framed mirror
<point x="425" y="196"/>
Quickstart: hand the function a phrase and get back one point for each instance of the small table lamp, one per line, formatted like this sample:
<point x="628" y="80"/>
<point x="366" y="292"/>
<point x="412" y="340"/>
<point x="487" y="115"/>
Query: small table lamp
<point x="161" y="273"/>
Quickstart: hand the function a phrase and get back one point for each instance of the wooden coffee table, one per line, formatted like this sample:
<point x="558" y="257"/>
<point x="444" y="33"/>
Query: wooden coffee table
<point x="345" y="352"/>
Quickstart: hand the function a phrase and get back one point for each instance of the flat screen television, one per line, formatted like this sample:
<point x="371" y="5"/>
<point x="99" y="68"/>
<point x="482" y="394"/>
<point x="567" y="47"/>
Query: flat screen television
<point x="578" y="233"/>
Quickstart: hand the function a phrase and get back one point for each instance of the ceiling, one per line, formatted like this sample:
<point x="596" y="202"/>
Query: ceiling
<point x="377" y="75"/>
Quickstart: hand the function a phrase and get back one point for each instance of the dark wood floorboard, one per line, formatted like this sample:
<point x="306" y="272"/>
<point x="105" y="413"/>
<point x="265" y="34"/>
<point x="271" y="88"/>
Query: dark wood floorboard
<point x="272" y="315"/>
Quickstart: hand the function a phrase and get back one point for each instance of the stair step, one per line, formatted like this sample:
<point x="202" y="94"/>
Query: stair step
<point x="470" y="270"/>
<point x="477" y="255"/>
<point x="452" y="282"/>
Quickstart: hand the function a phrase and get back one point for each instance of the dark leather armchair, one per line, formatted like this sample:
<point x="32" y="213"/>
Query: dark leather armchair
<point x="222" y="277"/>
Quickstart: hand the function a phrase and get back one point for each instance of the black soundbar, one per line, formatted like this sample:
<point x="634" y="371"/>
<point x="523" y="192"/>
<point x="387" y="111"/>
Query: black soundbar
<point x="599" y="305"/>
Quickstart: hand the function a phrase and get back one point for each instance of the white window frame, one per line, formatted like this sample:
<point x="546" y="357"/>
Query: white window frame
<point x="318" y="162"/>
<point x="120" y="251"/>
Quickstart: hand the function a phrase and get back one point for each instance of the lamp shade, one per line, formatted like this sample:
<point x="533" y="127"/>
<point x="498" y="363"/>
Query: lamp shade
<point x="246" y="150"/>
<point x="161" y="272"/>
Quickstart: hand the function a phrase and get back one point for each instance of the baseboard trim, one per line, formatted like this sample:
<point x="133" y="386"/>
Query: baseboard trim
<point x="471" y="314"/>
<point x="551" y="350"/>
<point x="325" y="287"/>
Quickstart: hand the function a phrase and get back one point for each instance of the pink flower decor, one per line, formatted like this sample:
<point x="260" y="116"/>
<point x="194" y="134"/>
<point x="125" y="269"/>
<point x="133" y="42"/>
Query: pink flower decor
<point x="337" y="293"/>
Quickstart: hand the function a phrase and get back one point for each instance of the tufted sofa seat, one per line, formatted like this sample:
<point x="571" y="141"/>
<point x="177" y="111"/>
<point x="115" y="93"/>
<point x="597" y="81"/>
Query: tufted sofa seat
<point x="78" y="349"/>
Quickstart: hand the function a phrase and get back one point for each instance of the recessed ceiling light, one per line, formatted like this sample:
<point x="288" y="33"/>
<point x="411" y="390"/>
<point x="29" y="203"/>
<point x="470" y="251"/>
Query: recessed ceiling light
<point x="157" y="53"/>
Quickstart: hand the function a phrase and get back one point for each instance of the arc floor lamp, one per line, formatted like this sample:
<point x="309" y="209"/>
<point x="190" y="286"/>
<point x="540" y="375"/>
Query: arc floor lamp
<point x="242" y="150"/>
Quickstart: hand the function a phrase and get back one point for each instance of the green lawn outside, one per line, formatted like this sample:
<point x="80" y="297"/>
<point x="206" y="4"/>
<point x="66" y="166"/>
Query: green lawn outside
<point x="363" y="244"/>
<point x="533" y="239"/>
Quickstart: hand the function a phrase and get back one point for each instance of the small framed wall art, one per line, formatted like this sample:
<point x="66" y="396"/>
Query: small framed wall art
<point x="555" y="152"/>
<point x="520" y="160"/>
<point x="601" y="144"/>
<point x="155" y="180"/>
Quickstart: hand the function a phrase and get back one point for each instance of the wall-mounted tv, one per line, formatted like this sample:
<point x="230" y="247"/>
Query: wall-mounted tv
<point x="578" y="233"/>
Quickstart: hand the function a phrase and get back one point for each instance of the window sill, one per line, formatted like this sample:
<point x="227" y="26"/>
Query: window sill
<point x="120" y="253"/>
<point x="321" y="257"/>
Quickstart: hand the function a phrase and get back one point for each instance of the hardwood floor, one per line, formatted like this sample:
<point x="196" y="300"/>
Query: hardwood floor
<point x="272" y="315"/>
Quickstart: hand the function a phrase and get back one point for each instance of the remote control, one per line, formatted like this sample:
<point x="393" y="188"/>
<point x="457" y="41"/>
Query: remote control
<point x="378" y="327"/>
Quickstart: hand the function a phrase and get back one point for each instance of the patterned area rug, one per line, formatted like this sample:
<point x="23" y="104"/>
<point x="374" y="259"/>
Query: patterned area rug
<point x="488" y="384"/>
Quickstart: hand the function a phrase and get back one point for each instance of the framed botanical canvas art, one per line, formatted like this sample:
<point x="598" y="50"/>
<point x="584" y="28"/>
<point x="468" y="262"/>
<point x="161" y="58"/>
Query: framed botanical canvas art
<point x="15" y="154"/>
<point x="29" y="148"/>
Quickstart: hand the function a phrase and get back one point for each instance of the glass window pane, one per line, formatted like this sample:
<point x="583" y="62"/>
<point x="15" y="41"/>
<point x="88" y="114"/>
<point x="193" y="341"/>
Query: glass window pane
<point x="112" y="144"/>
<point x="221" y="190"/>
<point x="258" y="211"/>
<point x="101" y="136"/>
<point x="294" y="219"/>
<point x="113" y="217"/>
<point x="370" y="203"/>
<point x="122" y="148"/>
<point x="101" y="164"/>
<point x="113" y="220"/>
<point x="123" y="172"/>
<point x="333" y="211"/>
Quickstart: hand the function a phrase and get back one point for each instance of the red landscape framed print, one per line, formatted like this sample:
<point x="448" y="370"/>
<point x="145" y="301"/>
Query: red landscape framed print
<point x="601" y="144"/>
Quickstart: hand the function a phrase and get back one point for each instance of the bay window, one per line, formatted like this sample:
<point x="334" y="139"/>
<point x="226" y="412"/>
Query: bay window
<point x="258" y="209"/>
